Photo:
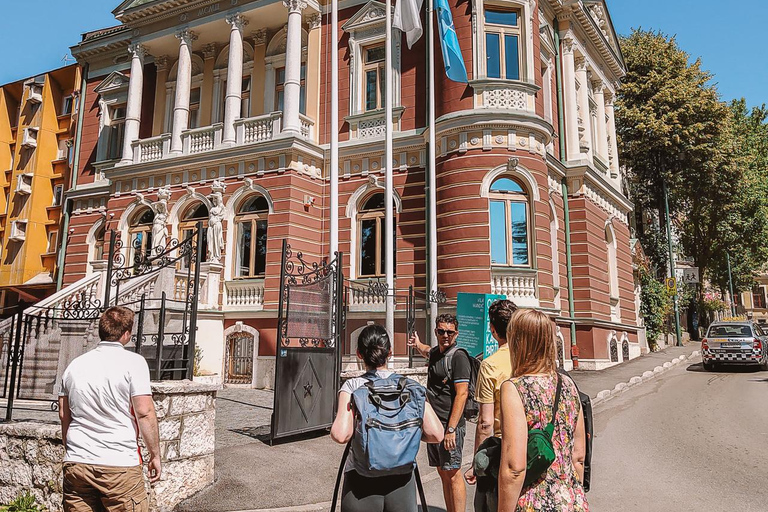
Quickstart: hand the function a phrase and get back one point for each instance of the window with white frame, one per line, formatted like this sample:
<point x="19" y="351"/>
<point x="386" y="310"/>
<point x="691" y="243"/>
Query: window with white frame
<point x="116" y="131"/>
<point x="140" y="234"/>
<point x="371" y="251"/>
<point x="374" y="77"/>
<point x="503" y="40"/>
<point x="510" y="233"/>
<point x="280" y="89"/>
<point x="251" y="220"/>
<point x="245" y="95"/>
<point x="58" y="194"/>
<point x="98" y="242"/>
<point x="194" y="108"/>
<point x="52" y="239"/>
<point x="67" y="105"/>
<point x="195" y="213"/>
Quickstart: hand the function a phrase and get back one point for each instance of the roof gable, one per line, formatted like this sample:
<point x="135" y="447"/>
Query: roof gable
<point x="598" y="11"/>
<point x="371" y="14"/>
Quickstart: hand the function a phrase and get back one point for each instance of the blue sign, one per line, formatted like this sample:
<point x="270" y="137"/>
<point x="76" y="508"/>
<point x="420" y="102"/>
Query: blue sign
<point x="474" y="331"/>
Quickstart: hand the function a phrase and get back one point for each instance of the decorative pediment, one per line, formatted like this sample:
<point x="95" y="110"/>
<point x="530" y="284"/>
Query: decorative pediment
<point x="547" y="36"/>
<point x="115" y="82"/>
<point x="371" y="14"/>
<point x="598" y="11"/>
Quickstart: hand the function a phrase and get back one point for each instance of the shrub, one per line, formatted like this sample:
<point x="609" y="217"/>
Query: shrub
<point x="25" y="502"/>
<point x="655" y="305"/>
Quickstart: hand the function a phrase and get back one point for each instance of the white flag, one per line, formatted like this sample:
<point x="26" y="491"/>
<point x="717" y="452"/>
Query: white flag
<point x="407" y="19"/>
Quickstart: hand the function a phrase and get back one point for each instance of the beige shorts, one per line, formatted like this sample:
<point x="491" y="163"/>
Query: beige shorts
<point x="92" y="488"/>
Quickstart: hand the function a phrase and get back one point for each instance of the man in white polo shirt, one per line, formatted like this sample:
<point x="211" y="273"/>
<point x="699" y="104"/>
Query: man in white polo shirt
<point x="105" y="401"/>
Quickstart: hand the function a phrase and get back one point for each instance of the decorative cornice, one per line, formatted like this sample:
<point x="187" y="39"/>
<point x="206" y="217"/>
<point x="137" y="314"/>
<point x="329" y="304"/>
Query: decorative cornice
<point x="259" y="37"/>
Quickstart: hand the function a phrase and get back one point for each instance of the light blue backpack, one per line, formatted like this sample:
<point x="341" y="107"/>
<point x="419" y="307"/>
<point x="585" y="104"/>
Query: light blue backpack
<point x="388" y="425"/>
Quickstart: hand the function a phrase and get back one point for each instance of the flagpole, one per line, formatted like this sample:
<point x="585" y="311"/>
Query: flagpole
<point x="431" y="180"/>
<point x="334" y="171"/>
<point x="388" y="192"/>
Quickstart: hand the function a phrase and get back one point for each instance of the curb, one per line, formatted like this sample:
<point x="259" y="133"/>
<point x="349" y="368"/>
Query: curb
<point x="623" y="387"/>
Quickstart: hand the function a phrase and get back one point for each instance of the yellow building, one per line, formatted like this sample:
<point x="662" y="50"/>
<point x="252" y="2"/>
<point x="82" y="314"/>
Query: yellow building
<point x="754" y="303"/>
<point x="37" y="130"/>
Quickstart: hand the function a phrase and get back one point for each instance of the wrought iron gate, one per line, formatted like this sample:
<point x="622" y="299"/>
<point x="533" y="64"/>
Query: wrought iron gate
<point x="419" y="302"/>
<point x="308" y="355"/>
<point x="165" y="328"/>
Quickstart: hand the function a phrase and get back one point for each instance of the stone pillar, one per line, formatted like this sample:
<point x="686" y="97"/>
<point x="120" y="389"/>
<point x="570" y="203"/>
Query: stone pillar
<point x="613" y="147"/>
<point x="233" y="100"/>
<point x="207" y="91"/>
<point x="292" y="88"/>
<point x="183" y="82"/>
<point x="133" y="106"/>
<point x="258" y="72"/>
<point x="570" y="102"/>
<point x="585" y="120"/>
<point x="602" y="132"/>
<point x="158" y="119"/>
<point x="314" y="49"/>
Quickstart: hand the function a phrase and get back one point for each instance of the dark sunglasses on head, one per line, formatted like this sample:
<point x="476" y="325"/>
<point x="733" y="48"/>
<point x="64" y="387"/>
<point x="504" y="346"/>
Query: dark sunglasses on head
<point x="443" y="332"/>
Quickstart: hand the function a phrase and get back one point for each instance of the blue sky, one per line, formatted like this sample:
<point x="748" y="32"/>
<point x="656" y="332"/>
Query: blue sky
<point x="727" y="39"/>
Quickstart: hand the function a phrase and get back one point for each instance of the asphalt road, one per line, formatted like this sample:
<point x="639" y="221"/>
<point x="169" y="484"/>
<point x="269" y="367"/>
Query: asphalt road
<point x="686" y="441"/>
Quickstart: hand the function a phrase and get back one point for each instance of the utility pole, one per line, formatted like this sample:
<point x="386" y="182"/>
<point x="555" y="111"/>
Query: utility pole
<point x="671" y="262"/>
<point x="730" y="284"/>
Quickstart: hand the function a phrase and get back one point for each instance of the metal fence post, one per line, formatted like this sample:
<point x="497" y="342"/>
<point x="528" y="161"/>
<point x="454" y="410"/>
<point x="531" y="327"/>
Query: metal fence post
<point x="15" y="352"/>
<point x="160" y="338"/>
<point x="190" y="359"/>
<point x="140" y="326"/>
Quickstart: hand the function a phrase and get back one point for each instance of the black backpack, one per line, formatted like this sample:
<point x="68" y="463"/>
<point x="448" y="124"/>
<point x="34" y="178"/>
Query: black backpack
<point x="586" y="407"/>
<point x="471" y="408"/>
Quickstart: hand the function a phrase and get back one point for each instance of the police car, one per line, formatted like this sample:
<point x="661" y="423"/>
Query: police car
<point x="735" y="342"/>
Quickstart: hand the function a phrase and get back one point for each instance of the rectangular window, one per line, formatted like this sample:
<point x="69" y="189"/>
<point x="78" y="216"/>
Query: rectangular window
<point x="368" y="247"/>
<point x="502" y="44"/>
<point x="280" y="89"/>
<point x="498" y="233"/>
<point x="58" y="191"/>
<point x="245" y="104"/>
<point x="519" y="226"/>
<point x="116" y="132"/>
<point x="52" y="239"/>
<point x="66" y="107"/>
<point x="373" y="68"/>
<point x="194" y="108"/>
<point x="758" y="297"/>
<point x="244" y="252"/>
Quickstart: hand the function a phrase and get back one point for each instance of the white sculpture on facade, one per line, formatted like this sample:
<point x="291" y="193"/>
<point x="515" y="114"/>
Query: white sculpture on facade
<point x="160" y="222"/>
<point x="215" y="228"/>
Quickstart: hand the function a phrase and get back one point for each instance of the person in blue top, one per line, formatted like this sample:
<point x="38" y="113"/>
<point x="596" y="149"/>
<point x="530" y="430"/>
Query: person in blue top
<point x="393" y="493"/>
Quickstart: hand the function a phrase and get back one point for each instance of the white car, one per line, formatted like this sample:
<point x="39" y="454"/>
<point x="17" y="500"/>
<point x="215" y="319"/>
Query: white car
<point x="735" y="342"/>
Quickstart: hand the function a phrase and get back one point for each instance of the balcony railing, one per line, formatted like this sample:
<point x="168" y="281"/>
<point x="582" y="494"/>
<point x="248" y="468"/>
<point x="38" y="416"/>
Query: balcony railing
<point x="251" y="130"/>
<point x="518" y="284"/>
<point x="200" y="140"/>
<point x="362" y="299"/>
<point x="258" y="129"/>
<point x="244" y="294"/>
<point x="506" y="94"/>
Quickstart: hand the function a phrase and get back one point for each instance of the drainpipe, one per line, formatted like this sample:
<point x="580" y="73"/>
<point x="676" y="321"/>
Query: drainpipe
<point x="75" y="161"/>
<point x="564" y="190"/>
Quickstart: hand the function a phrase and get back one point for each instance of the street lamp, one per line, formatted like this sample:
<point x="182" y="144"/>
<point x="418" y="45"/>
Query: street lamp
<point x="678" y="339"/>
<point x="730" y="284"/>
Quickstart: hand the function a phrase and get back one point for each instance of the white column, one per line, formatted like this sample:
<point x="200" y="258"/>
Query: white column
<point x="183" y="80"/>
<point x="570" y="101"/>
<point x="585" y="118"/>
<point x="602" y="132"/>
<point x="292" y="88"/>
<point x="133" y="106"/>
<point x="233" y="100"/>
<point x="613" y="148"/>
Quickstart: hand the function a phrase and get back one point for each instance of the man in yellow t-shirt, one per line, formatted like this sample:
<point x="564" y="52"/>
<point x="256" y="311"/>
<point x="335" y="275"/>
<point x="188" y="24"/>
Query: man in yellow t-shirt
<point x="493" y="372"/>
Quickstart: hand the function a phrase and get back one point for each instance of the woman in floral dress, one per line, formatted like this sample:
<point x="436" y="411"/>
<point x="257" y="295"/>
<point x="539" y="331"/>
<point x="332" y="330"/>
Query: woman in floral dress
<point x="526" y="403"/>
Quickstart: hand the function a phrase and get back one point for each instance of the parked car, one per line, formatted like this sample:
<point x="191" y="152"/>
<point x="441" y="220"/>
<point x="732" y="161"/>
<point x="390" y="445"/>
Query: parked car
<point x="735" y="342"/>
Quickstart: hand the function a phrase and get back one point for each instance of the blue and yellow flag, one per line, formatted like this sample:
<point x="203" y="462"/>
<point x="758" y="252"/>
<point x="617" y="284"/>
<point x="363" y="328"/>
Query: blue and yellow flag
<point x="454" y="62"/>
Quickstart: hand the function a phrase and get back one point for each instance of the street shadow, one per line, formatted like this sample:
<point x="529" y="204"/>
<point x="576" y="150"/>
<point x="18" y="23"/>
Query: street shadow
<point x="723" y="368"/>
<point x="261" y="433"/>
<point x="266" y="408"/>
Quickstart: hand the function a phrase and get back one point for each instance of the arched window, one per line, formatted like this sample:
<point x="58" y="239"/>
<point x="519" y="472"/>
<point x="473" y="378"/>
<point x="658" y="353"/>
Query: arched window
<point x="98" y="242"/>
<point x="140" y="233"/>
<point x="194" y="213"/>
<point x="251" y="220"/>
<point x="509" y="223"/>
<point x="370" y="221"/>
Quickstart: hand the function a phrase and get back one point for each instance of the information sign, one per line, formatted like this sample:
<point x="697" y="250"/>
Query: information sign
<point x="474" y="333"/>
<point x="687" y="275"/>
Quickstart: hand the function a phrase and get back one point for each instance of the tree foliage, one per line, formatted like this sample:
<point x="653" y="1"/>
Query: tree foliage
<point x="673" y="130"/>
<point x="655" y="305"/>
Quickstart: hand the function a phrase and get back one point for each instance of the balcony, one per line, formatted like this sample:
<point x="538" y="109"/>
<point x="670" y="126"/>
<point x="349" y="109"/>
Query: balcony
<point x="252" y="130"/>
<point x="244" y="295"/>
<point x="505" y="94"/>
<point x="518" y="284"/>
<point x="362" y="297"/>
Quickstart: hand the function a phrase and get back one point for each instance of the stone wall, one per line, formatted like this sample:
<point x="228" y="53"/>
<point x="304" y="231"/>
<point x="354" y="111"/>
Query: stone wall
<point x="31" y="453"/>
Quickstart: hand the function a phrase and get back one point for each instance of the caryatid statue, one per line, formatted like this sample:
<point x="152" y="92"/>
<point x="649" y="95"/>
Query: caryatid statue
<point x="215" y="219"/>
<point x="160" y="222"/>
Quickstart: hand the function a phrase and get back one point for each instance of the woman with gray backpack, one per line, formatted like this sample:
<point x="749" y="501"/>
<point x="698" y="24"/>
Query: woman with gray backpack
<point x="543" y="441"/>
<point x="382" y="417"/>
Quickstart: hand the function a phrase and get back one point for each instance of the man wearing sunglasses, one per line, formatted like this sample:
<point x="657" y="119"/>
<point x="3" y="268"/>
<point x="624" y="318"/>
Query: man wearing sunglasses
<point x="447" y="390"/>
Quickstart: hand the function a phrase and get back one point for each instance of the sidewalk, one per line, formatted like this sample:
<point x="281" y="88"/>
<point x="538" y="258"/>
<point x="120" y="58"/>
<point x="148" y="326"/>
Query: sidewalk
<point x="252" y="476"/>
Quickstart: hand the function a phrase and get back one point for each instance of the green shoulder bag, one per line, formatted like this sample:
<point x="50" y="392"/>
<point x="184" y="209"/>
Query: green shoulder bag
<point x="541" y="452"/>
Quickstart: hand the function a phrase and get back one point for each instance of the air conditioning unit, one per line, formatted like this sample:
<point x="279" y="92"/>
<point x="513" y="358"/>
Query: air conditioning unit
<point x="30" y="137"/>
<point x="24" y="184"/>
<point x="18" y="230"/>
<point x="35" y="89"/>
